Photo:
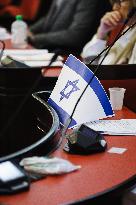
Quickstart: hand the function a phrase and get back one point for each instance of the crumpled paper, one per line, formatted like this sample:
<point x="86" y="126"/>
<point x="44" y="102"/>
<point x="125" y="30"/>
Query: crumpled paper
<point x="45" y="165"/>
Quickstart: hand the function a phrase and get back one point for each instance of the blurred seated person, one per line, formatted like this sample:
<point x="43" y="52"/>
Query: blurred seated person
<point x="68" y="25"/>
<point x="123" y="51"/>
<point x="10" y="8"/>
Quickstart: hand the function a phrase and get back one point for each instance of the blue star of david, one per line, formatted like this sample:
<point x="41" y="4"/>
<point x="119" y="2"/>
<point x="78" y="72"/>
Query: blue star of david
<point x="66" y="92"/>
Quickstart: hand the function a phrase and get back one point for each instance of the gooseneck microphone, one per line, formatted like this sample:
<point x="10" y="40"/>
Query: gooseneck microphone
<point x="107" y="49"/>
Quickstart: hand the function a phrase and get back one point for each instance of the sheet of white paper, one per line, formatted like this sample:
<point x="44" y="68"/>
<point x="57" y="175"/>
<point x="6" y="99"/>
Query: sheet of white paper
<point x="114" y="127"/>
<point x="43" y="63"/>
<point x="30" y="56"/>
<point x="25" y="52"/>
<point x="117" y="150"/>
<point x="119" y="133"/>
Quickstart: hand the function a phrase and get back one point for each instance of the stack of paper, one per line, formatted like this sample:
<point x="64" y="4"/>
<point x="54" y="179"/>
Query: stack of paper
<point x="33" y="57"/>
<point x="26" y="52"/>
<point x="114" y="127"/>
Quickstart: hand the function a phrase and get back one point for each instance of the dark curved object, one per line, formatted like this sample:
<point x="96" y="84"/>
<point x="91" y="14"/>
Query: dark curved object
<point x="32" y="132"/>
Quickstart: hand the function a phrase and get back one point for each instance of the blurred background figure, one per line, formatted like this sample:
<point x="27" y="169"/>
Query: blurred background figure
<point x="68" y="25"/>
<point x="30" y="10"/>
<point x="124" y="49"/>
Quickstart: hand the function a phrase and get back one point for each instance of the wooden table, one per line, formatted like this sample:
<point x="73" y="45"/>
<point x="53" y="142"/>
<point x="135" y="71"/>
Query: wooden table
<point x="99" y="174"/>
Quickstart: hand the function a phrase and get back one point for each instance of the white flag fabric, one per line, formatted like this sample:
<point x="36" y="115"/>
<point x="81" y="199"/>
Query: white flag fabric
<point x="73" y="79"/>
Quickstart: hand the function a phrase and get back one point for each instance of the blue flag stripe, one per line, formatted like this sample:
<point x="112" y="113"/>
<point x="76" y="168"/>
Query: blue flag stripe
<point x="86" y="74"/>
<point x="63" y="115"/>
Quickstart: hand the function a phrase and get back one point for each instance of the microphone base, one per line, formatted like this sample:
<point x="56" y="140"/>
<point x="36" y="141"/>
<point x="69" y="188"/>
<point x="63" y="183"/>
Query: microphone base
<point x="85" y="141"/>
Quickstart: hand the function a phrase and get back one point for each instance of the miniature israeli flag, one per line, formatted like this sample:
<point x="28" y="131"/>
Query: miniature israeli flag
<point x="72" y="81"/>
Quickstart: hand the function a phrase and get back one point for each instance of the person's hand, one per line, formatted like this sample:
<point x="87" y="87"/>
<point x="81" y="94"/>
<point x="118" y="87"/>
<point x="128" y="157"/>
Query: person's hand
<point x="112" y="18"/>
<point x="108" y="22"/>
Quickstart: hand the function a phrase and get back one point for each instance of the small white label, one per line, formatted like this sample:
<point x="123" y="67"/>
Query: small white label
<point x="117" y="150"/>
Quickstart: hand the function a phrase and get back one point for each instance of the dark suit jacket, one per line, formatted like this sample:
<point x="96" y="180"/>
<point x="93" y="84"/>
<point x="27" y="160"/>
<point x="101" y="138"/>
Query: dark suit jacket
<point x="70" y="27"/>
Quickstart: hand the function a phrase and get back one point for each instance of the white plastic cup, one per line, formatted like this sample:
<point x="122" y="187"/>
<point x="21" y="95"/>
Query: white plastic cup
<point x="117" y="97"/>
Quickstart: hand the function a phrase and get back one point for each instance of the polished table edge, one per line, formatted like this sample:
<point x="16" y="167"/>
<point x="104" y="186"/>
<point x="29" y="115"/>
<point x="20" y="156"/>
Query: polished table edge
<point x="114" y="191"/>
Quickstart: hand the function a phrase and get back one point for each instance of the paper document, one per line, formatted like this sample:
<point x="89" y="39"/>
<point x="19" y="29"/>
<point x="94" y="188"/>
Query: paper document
<point x="33" y="57"/>
<point x="114" y="127"/>
<point x="25" y="52"/>
<point x="43" y="63"/>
